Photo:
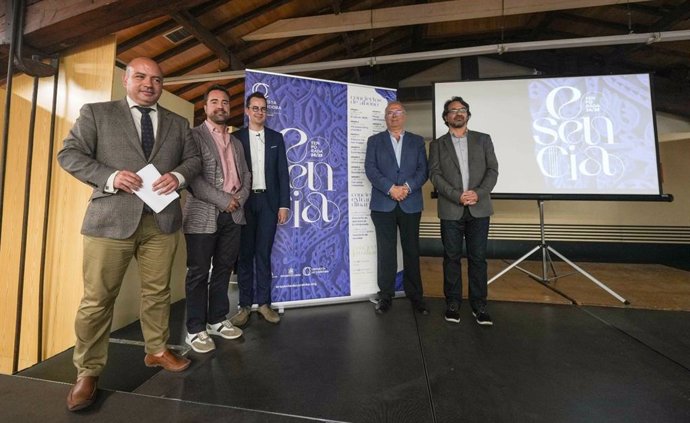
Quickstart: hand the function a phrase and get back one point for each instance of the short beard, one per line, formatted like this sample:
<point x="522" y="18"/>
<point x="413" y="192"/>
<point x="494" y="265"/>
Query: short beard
<point x="217" y="119"/>
<point x="452" y="124"/>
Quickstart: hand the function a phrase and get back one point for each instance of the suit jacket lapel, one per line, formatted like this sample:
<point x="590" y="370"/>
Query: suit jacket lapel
<point x="243" y="135"/>
<point x="163" y="129"/>
<point x="388" y="147"/>
<point x="405" y="152"/>
<point x="471" y="151"/>
<point x="269" y="142"/>
<point x="208" y="139"/>
<point x="125" y="121"/>
<point x="447" y="143"/>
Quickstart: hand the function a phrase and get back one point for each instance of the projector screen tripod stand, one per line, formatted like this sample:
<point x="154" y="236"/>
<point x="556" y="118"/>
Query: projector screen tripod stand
<point x="546" y="251"/>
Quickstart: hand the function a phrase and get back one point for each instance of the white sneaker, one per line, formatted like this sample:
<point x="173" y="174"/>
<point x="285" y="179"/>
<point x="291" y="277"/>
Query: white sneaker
<point x="224" y="329"/>
<point x="200" y="342"/>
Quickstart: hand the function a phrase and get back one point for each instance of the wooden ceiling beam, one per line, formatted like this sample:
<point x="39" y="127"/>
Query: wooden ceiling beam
<point x="417" y="14"/>
<point x="157" y="30"/>
<point x="52" y="26"/>
<point x="618" y="28"/>
<point x="254" y="13"/>
<point x="665" y="22"/>
<point x="166" y="26"/>
<point x="189" y="68"/>
<point x="268" y="52"/>
<point x="287" y="60"/>
<point x="189" y="22"/>
<point x="217" y="31"/>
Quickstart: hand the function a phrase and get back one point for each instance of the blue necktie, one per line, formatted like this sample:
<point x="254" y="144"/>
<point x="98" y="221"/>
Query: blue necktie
<point x="147" y="138"/>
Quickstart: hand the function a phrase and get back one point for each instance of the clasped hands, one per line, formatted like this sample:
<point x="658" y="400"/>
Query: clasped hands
<point x="129" y="182"/>
<point x="469" y="198"/>
<point x="234" y="205"/>
<point x="399" y="192"/>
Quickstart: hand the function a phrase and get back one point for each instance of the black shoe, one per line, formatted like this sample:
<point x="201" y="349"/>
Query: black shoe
<point x="453" y="312"/>
<point x="483" y="318"/>
<point x="420" y="308"/>
<point x="382" y="307"/>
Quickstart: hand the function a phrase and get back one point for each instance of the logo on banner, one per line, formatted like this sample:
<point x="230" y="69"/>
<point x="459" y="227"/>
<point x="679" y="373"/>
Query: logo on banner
<point x="308" y="270"/>
<point x="272" y="105"/>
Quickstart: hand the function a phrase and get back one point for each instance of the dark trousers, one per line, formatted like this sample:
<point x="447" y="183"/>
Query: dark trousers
<point x="255" y="257"/>
<point x="475" y="231"/>
<point x="207" y="299"/>
<point x="387" y="224"/>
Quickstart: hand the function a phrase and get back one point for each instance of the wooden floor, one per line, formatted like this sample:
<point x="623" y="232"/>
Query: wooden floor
<point x="645" y="286"/>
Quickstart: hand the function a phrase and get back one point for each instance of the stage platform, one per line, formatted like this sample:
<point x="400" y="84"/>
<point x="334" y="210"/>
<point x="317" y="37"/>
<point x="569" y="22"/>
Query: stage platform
<point x="538" y="363"/>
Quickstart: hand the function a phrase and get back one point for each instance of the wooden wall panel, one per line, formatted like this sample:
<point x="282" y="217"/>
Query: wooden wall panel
<point x="85" y="76"/>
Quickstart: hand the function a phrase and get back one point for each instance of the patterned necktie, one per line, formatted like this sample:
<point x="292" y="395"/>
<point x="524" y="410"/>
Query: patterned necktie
<point x="147" y="138"/>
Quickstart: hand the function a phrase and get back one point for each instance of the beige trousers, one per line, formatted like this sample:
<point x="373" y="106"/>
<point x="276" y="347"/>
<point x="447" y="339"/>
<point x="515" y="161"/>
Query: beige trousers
<point x="105" y="263"/>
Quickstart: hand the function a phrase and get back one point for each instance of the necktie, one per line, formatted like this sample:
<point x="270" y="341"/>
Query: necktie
<point x="147" y="138"/>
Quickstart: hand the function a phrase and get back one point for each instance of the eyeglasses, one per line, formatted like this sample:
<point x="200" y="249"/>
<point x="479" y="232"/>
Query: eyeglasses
<point x="395" y="113"/>
<point x="257" y="109"/>
<point x="456" y="111"/>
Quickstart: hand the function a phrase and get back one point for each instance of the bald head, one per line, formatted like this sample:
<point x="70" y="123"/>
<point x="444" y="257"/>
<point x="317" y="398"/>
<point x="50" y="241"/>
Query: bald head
<point x="143" y="81"/>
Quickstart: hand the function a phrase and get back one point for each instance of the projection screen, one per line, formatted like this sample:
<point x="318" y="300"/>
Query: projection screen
<point x="591" y="137"/>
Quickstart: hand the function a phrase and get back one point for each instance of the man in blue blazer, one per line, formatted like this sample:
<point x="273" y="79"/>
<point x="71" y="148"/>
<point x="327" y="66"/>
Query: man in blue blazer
<point x="396" y="166"/>
<point x="268" y="205"/>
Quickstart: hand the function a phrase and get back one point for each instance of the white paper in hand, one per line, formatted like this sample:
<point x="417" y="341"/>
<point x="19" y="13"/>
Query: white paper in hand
<point x="156" y="201"/>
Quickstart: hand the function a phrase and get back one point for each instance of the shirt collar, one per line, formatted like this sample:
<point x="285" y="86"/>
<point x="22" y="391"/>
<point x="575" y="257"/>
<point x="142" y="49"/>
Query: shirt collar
<point x="131" y="103"/>
<point x="402" y="134"/>
<point x="453" y="137"/>
<point x="213" y="129"/>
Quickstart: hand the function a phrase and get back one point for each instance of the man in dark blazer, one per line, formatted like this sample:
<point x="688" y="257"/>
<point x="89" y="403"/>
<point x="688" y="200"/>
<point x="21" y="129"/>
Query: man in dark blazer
<point x="396" y="166"/>
<point x="268" y="205"/>
<point x="464" y="169"/>
<point x="213" y="217"/>
<point x="110" y="142"/>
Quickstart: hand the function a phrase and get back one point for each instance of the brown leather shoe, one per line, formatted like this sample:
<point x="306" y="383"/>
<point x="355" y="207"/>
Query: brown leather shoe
<point x="269" y="314"/>
<point x="83" y="393"/>
<point x="168" y="361"/>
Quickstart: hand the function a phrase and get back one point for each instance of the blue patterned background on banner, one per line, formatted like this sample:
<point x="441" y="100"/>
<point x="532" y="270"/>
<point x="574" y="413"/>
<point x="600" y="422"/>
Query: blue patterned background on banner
<point x="310" y="258"/>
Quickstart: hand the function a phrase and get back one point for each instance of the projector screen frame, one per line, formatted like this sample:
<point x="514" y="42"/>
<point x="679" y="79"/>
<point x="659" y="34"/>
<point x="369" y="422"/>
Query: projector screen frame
<point x="550" y="196"/>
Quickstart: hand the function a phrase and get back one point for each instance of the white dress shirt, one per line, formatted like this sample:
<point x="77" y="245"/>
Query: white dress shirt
<point x="257" y="148"/>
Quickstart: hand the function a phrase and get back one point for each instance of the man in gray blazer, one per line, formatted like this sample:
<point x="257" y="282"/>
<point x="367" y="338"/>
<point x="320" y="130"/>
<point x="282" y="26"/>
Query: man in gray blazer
<point x="464" y="169"/>
<point x="213" y="214"/>
<point x="396" y="166"/>
<point x="110" y="142"/>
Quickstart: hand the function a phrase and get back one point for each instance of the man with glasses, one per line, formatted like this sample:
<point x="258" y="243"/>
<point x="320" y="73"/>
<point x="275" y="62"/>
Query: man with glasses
<point x="464" y="169"/>
<point x="396" y="165"/>
<point x="268" y="205"/>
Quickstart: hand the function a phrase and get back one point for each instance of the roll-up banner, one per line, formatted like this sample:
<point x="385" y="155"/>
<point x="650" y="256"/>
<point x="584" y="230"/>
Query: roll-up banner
<point x="326" y="251"/>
